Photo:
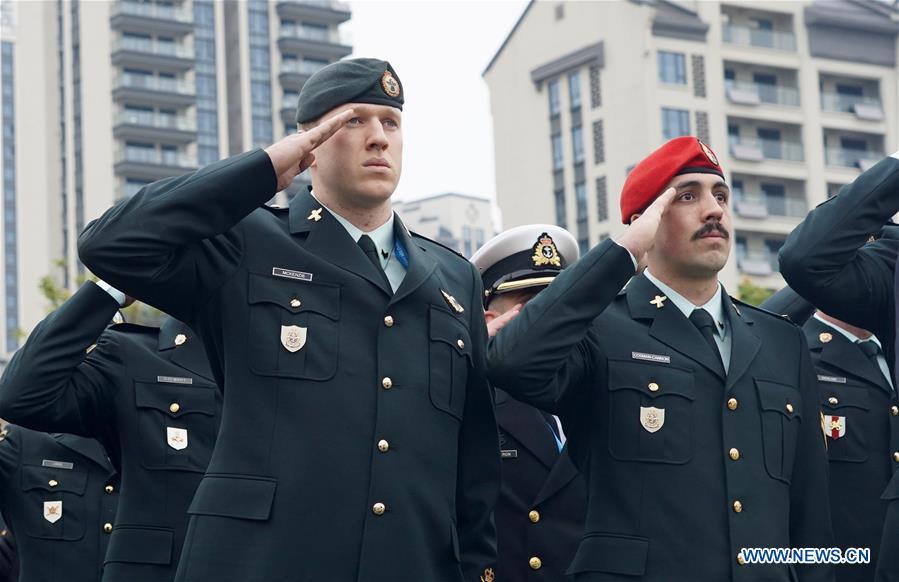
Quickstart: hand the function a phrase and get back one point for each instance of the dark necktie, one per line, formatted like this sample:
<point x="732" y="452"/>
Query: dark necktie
<point x="368" y="247"/>
<point x="872" y="350"/>
<point x="706" y="325"/>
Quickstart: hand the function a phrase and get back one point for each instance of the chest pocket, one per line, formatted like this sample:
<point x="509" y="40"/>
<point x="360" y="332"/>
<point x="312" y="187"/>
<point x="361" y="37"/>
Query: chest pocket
<point x="781" y="411"/>
<point x="54" y="503"/>
<point x="650" y="412"/>
<point x="450" y="358"/>
<point x="846" y="408"/>
<point x="293" y="328"/>
<point x="177" y="425"/>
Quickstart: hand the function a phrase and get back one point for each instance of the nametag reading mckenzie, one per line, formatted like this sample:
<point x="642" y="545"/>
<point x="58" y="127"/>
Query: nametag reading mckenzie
<point x="174" y="380"/>
<point x="651" y="357"/>
<point x="57" y="464"/>
<point x="832" y="379"/>
<point x="290" y="274"/>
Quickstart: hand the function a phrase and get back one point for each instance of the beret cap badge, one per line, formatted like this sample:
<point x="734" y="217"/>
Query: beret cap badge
<point x="390" y="84"/>
<point x="708" y="153"/>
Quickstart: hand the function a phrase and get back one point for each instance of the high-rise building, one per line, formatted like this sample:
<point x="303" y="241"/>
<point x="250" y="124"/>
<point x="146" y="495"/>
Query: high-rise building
<point x="461" y="222"/>
<point x="101" y="98"/>
<point x="795" y="97"/>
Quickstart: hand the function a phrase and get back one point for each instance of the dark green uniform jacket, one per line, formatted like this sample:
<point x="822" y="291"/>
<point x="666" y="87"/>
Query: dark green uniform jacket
<point x="358" y="438"/>
<point x="58" y="493"/>
<point x="684" y="467"/>
<point x="829" y="260"/>
<point x="147" y="394"/>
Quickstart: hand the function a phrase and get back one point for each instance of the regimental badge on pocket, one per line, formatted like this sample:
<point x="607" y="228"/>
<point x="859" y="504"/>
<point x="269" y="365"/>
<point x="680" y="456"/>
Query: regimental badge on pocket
<point x="652" y="418"/>
<point x="836" y="426"/>
<point x="52" y="511"/>
<point x="176" y="437"/>
<point x="293" y="337"/>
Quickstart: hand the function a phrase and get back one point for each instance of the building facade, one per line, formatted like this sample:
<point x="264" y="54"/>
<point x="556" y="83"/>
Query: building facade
<point x="459" y="221"/>
<point x="101" y="98"/>
<point x="795" y="97"/>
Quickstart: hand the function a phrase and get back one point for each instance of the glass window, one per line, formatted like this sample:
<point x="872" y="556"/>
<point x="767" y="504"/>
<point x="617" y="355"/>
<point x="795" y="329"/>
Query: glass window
<point x="559" y="196"/>
<point x="577" y="142"/>
<point x="580" y="195"/>
<point x="672" y="68"/>
<point x="555" y="104"/>
<point x="675" y="122"/>
<point x="466" y="241"/>
<point x="574" y="89"/>
<point x="558" y="160"/>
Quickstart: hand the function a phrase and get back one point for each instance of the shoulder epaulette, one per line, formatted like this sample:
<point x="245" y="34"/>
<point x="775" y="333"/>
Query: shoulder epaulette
<point x="430" y="240"/>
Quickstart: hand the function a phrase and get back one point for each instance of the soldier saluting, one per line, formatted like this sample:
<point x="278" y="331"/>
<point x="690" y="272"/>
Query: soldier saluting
<point x="358" y="440"/>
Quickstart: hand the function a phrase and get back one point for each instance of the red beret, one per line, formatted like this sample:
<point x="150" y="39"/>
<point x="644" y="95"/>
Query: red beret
<point x="645" y="183"/>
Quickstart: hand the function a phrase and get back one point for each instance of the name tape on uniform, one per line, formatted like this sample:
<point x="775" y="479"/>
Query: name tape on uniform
<point x="509" y="454"/>
<point x="832" y="379"/>
<point x="291" y="274"/>
<point x="57" y="464"/>
<point x="174" y="380"/>
<point x="651" y="357"/>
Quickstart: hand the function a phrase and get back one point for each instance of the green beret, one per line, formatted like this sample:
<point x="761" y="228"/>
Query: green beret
<point x="349" y="81"/>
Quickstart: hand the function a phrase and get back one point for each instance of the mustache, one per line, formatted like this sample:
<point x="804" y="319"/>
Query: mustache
<point x="710" y="227"/>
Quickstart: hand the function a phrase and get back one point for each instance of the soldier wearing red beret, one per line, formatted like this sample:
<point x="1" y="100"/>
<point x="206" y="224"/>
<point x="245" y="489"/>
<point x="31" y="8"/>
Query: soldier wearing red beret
<point x="693" y="417"/>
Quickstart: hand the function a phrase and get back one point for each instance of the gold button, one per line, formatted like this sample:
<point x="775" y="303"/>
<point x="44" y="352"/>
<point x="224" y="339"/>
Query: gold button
<point x="378" y="508"/>
<point x="896" y="456"/>
<point x="174" y="407"/>
<point x="387" y="383"/>
<point x="180" y="339"/>
<point x="461" y="344"/>
<point x="740" y="559"/>
<point x="734" y="454"/>
<point x="789" y="408"/>
<point x="53" y="483"/>
<point x="109" y="489"/>
<point x="534" y="516"/>
<point x="295" y="302"/>
<point x="825" y="337"/>
<point x="833" y="401"/>
<point x="653" y="387"/>
<point x="738" y="507"/>
<point x="388" y="321"/>
<point x="732" y="403"/>
<point x="107" y="527"/>
<point x="894" y="410"/>
<point x="383" y="446"/>
<point x="535" y="563"/>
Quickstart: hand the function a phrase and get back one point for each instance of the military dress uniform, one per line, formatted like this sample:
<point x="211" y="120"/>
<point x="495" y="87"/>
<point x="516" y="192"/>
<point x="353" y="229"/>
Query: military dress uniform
<point x="147" y="394"/>
<point x="836" y="261"/>
<point x="358" y="438"/>
<point x="543" y="500"/>
<point x="58" y="493"/>
<point x="9" y="560"/>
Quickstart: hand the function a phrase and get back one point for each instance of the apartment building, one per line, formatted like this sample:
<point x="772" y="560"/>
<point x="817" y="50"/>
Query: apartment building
<point x="795" y="97"/>
<point x="461" y="222"/>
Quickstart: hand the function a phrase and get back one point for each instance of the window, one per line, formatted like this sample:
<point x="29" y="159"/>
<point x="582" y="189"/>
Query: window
<point x="764" y="79"/>
<point x="730" y="75"/>
<point x="577" y="142"/>
<point x="559" y="195"/>
<point x="855" y="144"/>
<point x="574" y="89"/>
<point x="555" y="104"/>
<point x="478" y="238"/>
<point x="580" y="196"/>
<point x="675" y="122"/>
<point x="557" y="152"/>
<point x="853" y="90"/>
<point x="672" y="68"/>
<point x="466" y="241"/>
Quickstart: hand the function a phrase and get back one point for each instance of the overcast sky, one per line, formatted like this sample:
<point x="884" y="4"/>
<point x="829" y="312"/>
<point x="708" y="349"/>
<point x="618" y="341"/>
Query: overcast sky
<point x="439" y="48"/>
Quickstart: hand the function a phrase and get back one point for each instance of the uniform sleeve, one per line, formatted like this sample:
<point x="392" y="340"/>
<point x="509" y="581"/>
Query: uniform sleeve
<point x="8" y="557"/>
<point x="825" y="259"/>
<point x="173" y="243"/>
<point x="53" y="385"/>
<point x="810" y="522"/>
<point x="9" y="464"/>
<point x="888" y="561"/>
<point x="477" y="488"/>
<point x="544" y="354"/>
<point x="787" y="302"/>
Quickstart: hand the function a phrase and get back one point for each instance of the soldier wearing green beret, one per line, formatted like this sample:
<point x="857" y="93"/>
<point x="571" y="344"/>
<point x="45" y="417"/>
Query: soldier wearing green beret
<point x="358" y="439"/>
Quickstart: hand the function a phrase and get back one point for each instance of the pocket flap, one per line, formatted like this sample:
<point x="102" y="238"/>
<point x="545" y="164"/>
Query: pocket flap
<point x="234" y="496"/>
<point x="616" y="554"/>
<point x="53" y="480"/>
<point x="777" y="397"/>
<point x="652" y="380"/>
<point x="892" y="490"/>
<point x="846" y="397"/>
<point x="189" y="399"/>
<point x="446" y="327"/>
<point x="295" y="296"/>
<point x="140" y="545"/>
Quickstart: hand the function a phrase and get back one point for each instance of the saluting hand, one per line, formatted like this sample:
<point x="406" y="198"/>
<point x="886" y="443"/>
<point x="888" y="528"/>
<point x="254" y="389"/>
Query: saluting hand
<point x="293" y="154"/>
<point x="640" y="236"/>
<point x="497" y="323"/>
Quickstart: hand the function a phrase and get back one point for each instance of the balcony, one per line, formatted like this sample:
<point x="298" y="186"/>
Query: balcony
<point x="758" y="149"/>
<point x="295" y="72"/>
<point x="324" y="11"/>
<point x="852" y="158"/>
<point x="152" y="164"/>
<point x="153" y="90"/>
<point x="760" y="264"/>
<point x="746" y="36"/>
<point x="151" y="17"/>
<point x="312" y="41"/>
<point x="867" y="108"/>
<point x="760" y="205"/>
<point x="757" y="93"/>
<point x="145" y="52"/>
<point x="150" y="126"/>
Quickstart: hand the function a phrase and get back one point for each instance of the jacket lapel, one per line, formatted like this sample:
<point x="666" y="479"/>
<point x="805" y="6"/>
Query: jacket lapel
<point x="190" y="354"/>
<point x="841" y="353"/>
<point x="562" y="473"/>
<point x="329" y="240"/>
<point x="744" y="343"/>
<point x="669" y="325"/>
<point x="529" y="428"/>
<point x="420" y="264"/>
<point x="86" y="447"/>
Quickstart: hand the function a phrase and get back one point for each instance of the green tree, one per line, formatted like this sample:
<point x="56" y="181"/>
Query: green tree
<point x="752" y="293"/>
